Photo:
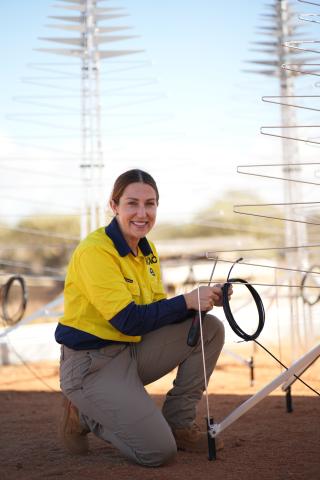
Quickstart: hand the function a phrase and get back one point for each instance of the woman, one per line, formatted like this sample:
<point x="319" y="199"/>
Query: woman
<point x="119" y="333"/>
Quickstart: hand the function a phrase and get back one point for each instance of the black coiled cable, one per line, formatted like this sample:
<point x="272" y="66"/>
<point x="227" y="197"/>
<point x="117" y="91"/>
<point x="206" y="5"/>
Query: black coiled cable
<point x="15" y="281"/>
<point x="194" y="331"/>
<point x="241" y="333"/>
<point x="230" y="318"/>
<point x="303" y="287"/>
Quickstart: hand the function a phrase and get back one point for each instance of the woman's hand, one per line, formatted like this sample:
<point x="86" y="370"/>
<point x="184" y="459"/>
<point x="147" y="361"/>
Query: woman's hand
<point x="219" y="287"/>
<point x="209" y="297"/>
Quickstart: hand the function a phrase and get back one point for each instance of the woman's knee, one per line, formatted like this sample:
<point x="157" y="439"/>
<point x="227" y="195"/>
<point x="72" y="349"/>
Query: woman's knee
<point x="214" y="329"/>
<point x="159" y="455"/>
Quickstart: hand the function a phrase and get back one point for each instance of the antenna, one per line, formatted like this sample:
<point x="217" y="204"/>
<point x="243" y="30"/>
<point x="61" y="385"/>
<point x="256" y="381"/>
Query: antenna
<point x="282" y="30"/>
<point x="85" y="44"/>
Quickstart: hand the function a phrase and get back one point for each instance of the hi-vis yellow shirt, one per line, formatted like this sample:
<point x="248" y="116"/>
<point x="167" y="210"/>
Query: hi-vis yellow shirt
<point x="103" y="278"/>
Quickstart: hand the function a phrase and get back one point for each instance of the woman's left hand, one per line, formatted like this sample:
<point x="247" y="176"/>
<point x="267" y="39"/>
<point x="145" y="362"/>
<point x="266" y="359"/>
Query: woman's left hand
<point x="218" y="291"/>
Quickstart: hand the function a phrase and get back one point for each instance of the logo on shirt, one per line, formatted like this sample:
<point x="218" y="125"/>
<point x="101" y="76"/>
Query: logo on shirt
<point x="151" y="260"/>
<point x="152" y="271"/>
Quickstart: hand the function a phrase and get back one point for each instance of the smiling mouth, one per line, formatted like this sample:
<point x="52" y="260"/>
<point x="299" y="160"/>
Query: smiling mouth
<point x="140" y="224"/>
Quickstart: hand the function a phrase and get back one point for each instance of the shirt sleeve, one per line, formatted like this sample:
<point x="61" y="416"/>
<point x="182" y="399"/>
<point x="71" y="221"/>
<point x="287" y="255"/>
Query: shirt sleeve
<point x="100" y="279"/>
<point x="140" y="319"/>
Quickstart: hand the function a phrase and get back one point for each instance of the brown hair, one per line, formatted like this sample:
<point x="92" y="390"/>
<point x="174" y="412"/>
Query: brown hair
<point x="132" y="176"/>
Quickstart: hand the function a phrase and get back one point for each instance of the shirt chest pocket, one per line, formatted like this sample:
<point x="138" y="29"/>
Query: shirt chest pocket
<point x="158" y="291"/>
<point x="134" y="290"/>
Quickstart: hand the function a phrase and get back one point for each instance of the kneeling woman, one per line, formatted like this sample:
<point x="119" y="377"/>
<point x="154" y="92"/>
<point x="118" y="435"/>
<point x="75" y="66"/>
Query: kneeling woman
<point x="119" y="333"/>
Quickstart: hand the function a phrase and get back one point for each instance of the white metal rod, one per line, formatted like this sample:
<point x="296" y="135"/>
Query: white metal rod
<point x="279" y="380"/>
<point x="293" y="379"/>
<point x="42" y="312"/>
<point x="237" y="357"/>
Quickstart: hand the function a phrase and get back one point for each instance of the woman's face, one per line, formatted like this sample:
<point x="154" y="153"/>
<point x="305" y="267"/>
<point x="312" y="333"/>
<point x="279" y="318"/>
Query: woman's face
<point x="136" y="211"/>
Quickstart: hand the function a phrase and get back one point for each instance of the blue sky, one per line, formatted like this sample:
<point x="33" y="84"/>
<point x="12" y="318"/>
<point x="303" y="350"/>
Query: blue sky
<point x="198" y="118"/>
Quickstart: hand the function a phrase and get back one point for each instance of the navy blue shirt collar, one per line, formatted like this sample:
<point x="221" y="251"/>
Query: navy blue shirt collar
<point x="113" y="231"/>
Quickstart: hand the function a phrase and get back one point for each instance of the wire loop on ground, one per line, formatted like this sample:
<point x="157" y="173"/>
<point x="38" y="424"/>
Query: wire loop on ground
<point x="305" y="298"/>
<point x="14" y="297"/>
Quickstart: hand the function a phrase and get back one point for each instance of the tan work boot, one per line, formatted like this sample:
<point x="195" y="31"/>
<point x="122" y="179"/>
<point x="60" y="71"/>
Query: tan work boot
<point x="191" y="439"/>
<point x="73" y="434"/>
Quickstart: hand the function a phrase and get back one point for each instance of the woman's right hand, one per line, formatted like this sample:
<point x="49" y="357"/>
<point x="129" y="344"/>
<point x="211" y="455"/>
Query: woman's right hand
<point x="207" y="295"/>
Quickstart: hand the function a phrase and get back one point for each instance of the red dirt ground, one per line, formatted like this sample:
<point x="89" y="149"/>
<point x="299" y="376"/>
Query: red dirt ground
<point x="266" y="443"/>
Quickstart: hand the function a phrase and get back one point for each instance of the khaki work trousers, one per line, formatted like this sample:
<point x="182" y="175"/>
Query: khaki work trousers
<point x="107" y="387"/>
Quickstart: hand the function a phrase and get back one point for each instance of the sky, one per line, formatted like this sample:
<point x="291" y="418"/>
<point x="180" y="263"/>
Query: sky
<point x="182" y="109"/>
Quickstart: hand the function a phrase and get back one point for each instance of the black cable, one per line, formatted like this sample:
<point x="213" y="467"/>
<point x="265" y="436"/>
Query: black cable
<point x="194" y="332"/>
<point x="241" y="333"/>
<point x="282" y="364"/>
<point x="5" y="295"/>
<point x="302" y="288"/>
<point x="227" y="310"/>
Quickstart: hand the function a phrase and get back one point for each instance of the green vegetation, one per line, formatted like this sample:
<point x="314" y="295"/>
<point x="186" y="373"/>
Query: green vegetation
<point x="46" y="243"/>
<point x="219" y="219"/>
<point x="40" y="242"/>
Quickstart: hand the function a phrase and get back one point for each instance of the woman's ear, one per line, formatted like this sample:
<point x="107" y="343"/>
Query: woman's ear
<point x="114" y="207"/>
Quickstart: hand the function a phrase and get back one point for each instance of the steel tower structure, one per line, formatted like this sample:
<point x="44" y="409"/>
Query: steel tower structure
<point x="86" y="37"/>
<point x="281" y="26"/>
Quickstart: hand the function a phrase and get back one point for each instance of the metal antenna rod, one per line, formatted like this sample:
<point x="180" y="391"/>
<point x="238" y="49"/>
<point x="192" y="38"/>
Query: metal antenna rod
<point x="211" y="440"/>
<point x="282" y="29"/>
